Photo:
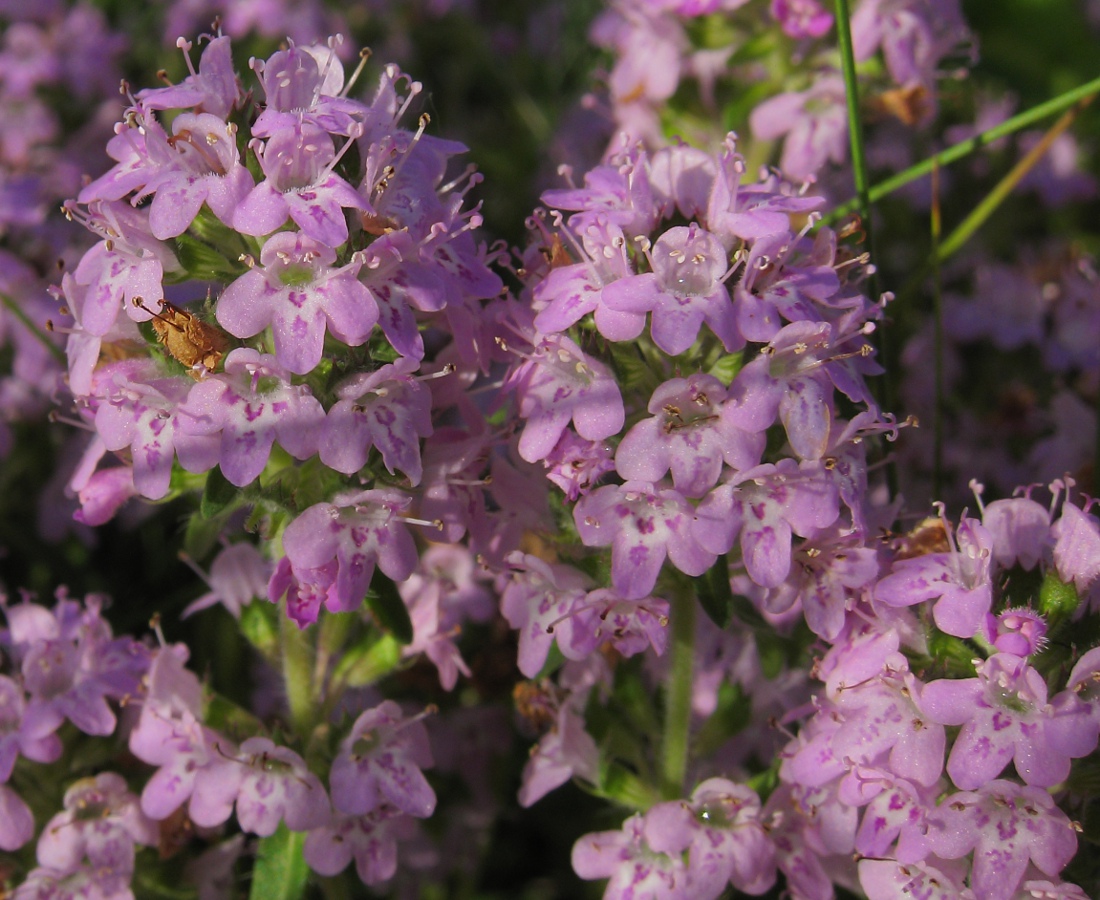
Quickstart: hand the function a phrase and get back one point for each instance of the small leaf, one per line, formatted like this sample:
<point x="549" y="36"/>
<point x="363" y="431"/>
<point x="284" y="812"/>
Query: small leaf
<point x="218" y="495"/>
<point x="726" y="367"/>
<point x="619" y="785"/>
<point x="389" y="608"/>
<point x="366" y="663"/>
<point x="954" y="656"/>
<point x="202" y="535"/>
<point x="280" y="872"/>
<point x="1057" y="599"/>
<point x="554" y="661"/>
<point x="226" y="717"/>
<point x="259" y="624"/>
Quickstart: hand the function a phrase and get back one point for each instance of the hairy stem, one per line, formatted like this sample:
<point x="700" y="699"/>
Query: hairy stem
<point x="678" y="691"/>
<point x="297" y="657"/>
<point x="855" y="124"/>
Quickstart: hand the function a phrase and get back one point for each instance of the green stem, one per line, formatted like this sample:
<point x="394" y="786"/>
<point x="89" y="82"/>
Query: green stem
<point x="855" y="124"/>
<point x="678" y="691"/>
<point x="965" y="148"/>
<point x="297" y="656"/>
<point x="937" y="302"/>
<point x="864" y="199"/>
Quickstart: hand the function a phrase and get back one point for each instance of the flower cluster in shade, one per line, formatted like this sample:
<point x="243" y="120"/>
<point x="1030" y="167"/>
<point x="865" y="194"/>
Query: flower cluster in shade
<point x="1043" y="305"/>
<point x="658" y="53"/>
<point x="59" y="74"/>
<point x="63" y="664"/>
<point x="759" y="473"/>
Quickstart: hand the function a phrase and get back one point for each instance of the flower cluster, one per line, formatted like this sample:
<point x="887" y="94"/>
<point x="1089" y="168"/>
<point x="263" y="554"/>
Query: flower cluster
<point x="637" y="476"/>
<point x="753" y="475"/>
<point x="65" y="665"/>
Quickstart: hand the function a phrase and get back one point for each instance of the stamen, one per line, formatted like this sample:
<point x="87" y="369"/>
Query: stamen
<point x="364" y="55"/>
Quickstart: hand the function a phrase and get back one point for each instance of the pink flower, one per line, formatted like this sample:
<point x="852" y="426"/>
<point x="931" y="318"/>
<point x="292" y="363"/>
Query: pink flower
<point x="296" y="291"/>
<point x="814" y="123"/>
<point x="565" y="751"/>
<point x="685" y="289"/>
<point x="380" y="763"/>
<point x="960" y="581"/>
<point x="764" y="507"/>
<point x="387" y="409"/>
<point x="298" y="161"/>
<point x="642" y="524"/>
<point x="633" y="868"/>
<point x="721" y="828"/>
<point x="1005" y="715"/>
<point x="277" y="787"/>
<point x="250" y="404"/>
<point x="801" y="18"/>
<point x="101" y="820"/>
<point x="558" y="383"/>
<point x="357" y="530"/>
<point x="1006" y="825"/>
<point x="213" y="89"/>
<point x="690" y="433"/>
<point x="195" y="765"/>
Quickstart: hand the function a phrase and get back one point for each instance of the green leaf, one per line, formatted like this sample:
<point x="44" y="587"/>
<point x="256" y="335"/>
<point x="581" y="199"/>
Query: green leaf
<point x="389" y="608"/>
<point x="954" y="655"/>
<point x="620" y="785"/>
<point x="280" y="872"/>
<point x="218" y="494"/>
<point x="726" y="367"/>
<point x="201" y="262"/>
<point x="202" y="535"/>
<point x="226" y="717"/>
<point x="715" y="594"/>
<point x="366" y="663"/>
<point x="554" y="661"/>
<point x="259" y="624"/>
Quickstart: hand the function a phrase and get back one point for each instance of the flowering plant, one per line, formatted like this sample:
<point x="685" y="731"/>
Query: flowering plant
<point x="611" y="543"/>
